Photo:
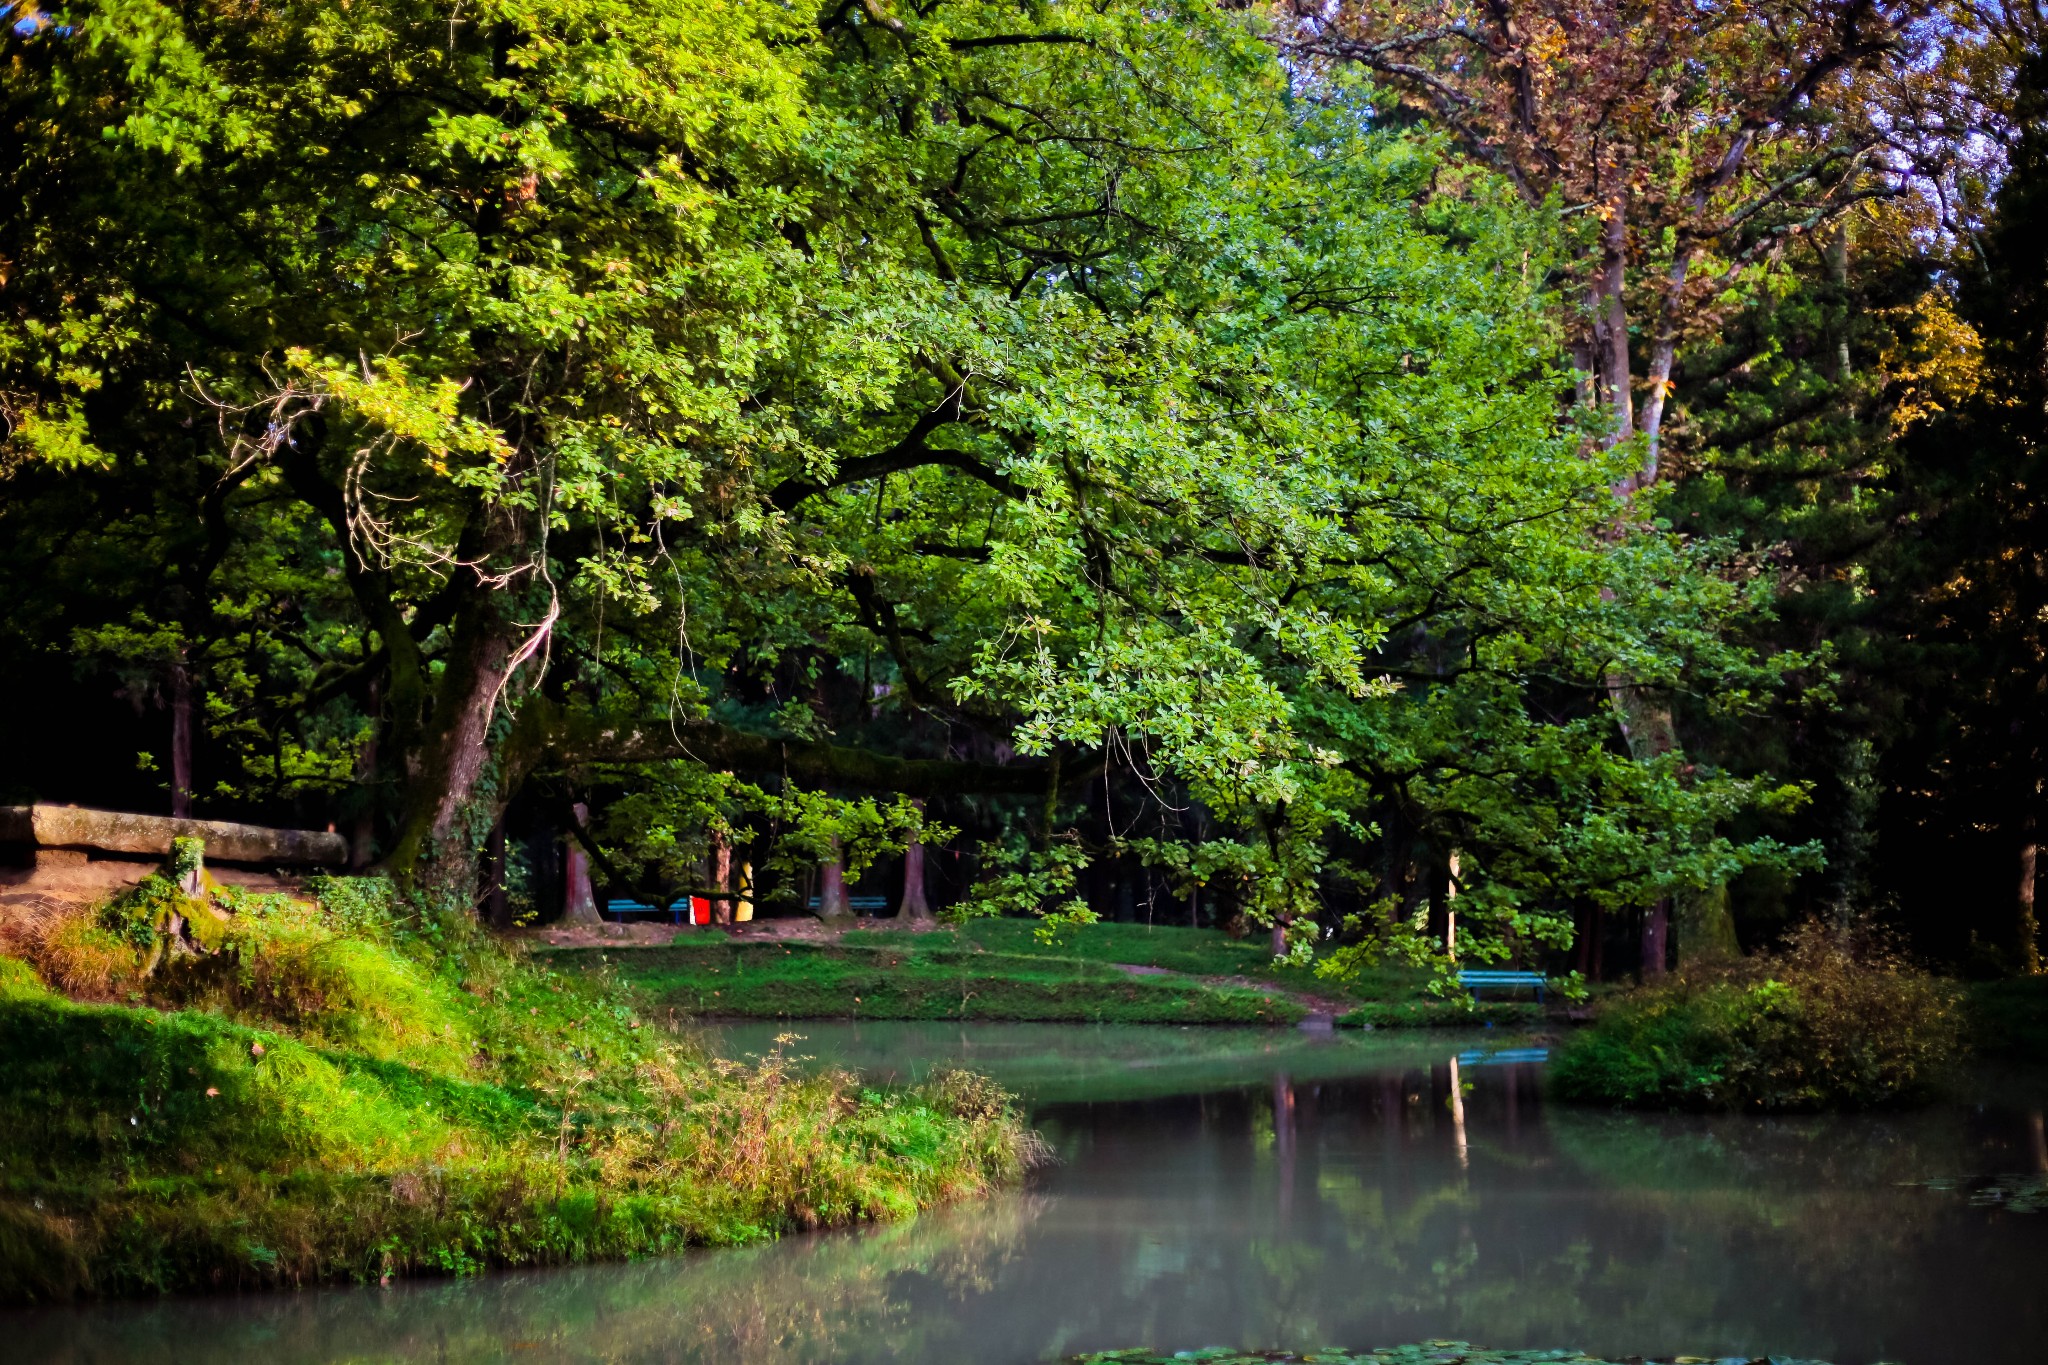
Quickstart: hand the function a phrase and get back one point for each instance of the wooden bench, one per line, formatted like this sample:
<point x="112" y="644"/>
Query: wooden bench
<point x="1476" y="981"/>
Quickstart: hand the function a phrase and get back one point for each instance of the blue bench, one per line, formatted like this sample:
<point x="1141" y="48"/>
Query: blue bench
<point x="858" y="904"/>
<point x="620" y="909"/>
<point x="1476" y="981"/>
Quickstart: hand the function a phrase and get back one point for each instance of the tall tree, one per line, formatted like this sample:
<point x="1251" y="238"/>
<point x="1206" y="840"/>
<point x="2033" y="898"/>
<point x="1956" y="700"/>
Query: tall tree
<point x="850" y="398"/>
<point x="1690" y="142"/>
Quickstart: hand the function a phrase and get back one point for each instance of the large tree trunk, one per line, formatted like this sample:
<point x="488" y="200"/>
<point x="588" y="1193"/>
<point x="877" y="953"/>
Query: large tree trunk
<point x="446" y="810"/>
<point x="579" y="902"/>
<point x="914" y="907"/>
<point x="832" y="901"/>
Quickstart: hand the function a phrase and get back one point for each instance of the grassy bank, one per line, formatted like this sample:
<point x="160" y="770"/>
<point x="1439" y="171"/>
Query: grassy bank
<point x="998" y="969"/>
<point x="915" y="976"/>
<point x="291" y="1092"/>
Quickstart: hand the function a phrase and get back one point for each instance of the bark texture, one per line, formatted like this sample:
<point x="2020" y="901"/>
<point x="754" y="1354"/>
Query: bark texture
<point x="915" y="906"/>
<point x="832" y="901"/>
<point x="579" y="902"/>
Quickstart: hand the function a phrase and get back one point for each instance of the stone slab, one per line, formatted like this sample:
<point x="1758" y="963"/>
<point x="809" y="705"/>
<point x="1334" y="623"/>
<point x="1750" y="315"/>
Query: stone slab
<point x="108" y="831"/>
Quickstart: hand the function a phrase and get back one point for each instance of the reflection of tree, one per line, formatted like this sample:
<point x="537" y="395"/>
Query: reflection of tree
<point x="800" y="1300"/>
<point x="1290" y="1213"/>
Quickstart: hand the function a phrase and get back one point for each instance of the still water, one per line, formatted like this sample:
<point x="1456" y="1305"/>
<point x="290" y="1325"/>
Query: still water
<point x="1272" y="1189"/>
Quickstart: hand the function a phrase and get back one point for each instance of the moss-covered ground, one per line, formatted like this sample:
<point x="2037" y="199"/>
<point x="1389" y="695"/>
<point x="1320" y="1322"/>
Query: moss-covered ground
<point x="1000" y="969"/>
<point x="296" y="1091"/>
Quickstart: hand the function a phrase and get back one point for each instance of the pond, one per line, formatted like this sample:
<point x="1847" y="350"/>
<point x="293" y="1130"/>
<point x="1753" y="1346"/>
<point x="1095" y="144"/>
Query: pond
<point x="1273" y="1189"/>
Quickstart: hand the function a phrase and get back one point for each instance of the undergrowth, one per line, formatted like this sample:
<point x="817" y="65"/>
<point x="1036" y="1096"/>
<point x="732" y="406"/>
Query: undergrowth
<point x="1839" y="1020"/>
<point x="210" y="1089"/>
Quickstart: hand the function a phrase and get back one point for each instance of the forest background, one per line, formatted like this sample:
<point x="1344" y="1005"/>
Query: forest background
<point x="1306" y="467"/>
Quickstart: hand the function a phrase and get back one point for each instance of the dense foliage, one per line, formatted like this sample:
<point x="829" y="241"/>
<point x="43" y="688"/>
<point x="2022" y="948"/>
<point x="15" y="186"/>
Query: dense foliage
<point x="1114" y="443"/>
<point x="739" y="415"/>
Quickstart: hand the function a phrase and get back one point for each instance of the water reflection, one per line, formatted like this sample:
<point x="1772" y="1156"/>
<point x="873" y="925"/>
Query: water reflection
<point x="1294" y="1197"/>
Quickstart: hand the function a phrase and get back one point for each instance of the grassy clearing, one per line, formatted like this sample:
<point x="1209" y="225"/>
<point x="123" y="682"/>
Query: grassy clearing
<point x="296" y="1092"/>
<point x="923" y="976"/>
<point x="1197" y="952"/>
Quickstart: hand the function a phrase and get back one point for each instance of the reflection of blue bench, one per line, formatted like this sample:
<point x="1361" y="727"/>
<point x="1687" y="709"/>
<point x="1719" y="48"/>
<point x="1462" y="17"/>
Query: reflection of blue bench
<point x="1475" y="981"/>
<point x="858" y="904"/>
<point x="1507" y="1056"/>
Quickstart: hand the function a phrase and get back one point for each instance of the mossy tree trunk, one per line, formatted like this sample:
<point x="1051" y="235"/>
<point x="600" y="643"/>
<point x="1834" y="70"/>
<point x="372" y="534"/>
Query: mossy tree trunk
<point x="832" y="900"/>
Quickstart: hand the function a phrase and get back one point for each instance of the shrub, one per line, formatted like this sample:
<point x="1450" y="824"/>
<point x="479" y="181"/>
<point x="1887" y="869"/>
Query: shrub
<point x="1839" y="1020"/>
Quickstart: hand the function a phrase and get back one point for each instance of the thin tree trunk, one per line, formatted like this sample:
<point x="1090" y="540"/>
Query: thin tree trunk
<point x="362" y="846"/>
<point x="181" y="739"/>
<point x="579" y="901"/>
<point x="721" y="877"/>
<point x="2029" y="922"/>
<point x="497" y="903"/>
<point x="1663" y="354"/>
<point x="832" y="902"/>
<point x="1656" y="925"/>
<point x="1610" y="320"/>
<point x="915" y="906"/>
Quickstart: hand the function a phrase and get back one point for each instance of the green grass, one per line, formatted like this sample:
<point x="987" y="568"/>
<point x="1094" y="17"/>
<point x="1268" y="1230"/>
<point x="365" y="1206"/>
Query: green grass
<point x="924" y="976"/>
<point x="346" y="1095"/>
<point x="999" y="969"/>
<point x="1197" y="952"/>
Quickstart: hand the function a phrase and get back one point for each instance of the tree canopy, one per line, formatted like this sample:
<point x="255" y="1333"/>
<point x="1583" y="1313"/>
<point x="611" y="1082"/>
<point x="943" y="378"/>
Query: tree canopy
<point x="775" y="416"/>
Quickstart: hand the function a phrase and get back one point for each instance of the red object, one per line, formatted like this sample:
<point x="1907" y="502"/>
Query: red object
<point x="700" y="910"/>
